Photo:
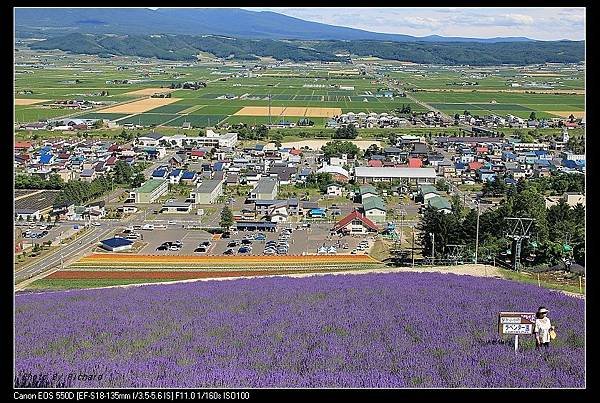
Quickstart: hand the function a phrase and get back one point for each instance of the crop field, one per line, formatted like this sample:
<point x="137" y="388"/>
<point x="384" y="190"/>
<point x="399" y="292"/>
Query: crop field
<point x="400" y="330"/>
<point x="32" y="114"/>
<point x="233" y="95"/>
<point x="503" y="103"/>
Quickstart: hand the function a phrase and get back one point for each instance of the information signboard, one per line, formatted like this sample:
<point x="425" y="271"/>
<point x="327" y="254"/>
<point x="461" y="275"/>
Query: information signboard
<point x="516" y="323"/>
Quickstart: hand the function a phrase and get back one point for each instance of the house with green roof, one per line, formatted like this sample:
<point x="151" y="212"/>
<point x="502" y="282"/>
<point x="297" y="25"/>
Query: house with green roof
<point x="367" y="191"/>
<point x="439" y="203"/>
<point x="375" y="209"/>
<point x="151" y="190"/>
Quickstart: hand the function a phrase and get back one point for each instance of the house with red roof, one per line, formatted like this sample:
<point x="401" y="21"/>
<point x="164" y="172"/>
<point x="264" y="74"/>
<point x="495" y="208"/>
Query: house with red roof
<point x="294" y="151"/>
<point x="197" y="154"/>
<point x="111" y="161"/>
<point x="415" y="163"/>
<point x="23" y="146"/>
<point x="481" y="150"/>
<point x="475" y="165"/>
<point x="355" y="223"/>
<point x="375" y="163"/>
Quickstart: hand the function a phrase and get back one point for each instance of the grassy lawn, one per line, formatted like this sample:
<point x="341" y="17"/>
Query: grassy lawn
<point x="60" y="284"/>
<point x="546" y="281"/>
<point x="380" y="250"/>
<point x="287" y="191"/>
<point x="328" y="202"/>
<point x="21" y="261"/>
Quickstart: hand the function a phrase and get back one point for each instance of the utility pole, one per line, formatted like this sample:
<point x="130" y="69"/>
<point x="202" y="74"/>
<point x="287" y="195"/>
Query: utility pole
<point x="413" y="247"/>
<point x="432" y="247"/>
<point x="477" y="233"/>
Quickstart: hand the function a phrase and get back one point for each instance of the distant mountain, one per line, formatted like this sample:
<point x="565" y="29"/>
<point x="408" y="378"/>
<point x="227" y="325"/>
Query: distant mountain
<point x="186" y="47"/>
<point x="37" y="22"/>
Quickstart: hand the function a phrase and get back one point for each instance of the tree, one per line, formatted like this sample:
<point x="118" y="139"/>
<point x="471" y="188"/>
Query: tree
<point x="532" y="116"/>
<point x="348" y="132"/>
<point x="122" y="172"/>
<point x="336" y="148"/>
<point x="442" y="185"/>
<point x="137" y="180"/>
<point x="319" y="180"/>
<point x="226" y="218"/>
<point x="372" y="150"/>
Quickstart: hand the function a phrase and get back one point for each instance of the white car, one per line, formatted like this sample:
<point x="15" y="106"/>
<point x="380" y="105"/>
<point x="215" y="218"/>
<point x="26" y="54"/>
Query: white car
<point x="171" y="223"/>
<point x="174" y="248"/>
<point x="96" y="224"/>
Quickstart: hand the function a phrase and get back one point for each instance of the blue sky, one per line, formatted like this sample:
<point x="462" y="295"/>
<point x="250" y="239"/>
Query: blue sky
<point x="543" y="23"/>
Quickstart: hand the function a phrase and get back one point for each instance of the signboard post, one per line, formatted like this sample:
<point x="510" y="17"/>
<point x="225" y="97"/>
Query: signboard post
<point x="516" y="323"/>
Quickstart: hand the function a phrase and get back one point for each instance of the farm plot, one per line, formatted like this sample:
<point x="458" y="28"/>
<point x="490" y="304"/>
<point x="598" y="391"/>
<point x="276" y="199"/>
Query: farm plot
<point x="30" y="101"/>
<point x="32" y="114"/>
<point x="197" y="120"/>
<point x="173" y="108"/>
<point x="288" y="111"/>
<point x="362" y="331"/>
<point x="143" y="105"/>
<point x="106" y="116"/>
<point x="148" y="91"/>
<point x="147" y="119"/>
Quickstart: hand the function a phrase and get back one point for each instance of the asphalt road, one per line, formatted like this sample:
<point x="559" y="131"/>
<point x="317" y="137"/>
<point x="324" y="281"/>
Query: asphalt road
<point x="66" y="253"/>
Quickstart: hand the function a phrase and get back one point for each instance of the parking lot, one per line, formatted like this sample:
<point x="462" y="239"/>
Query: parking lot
<point x="299" y="242"/>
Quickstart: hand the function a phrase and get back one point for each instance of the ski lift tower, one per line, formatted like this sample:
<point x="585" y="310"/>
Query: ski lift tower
<point x="518" y="229"/>
<point x="455" y="253"/>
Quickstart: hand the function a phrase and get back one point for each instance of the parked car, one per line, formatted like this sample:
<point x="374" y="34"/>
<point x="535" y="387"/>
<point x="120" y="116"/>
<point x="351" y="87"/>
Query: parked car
<point x="200" y="249"/>
<point x="226" y="235"/>
<point x="270" y="252"/>
<point x="232" y="244"/>
<point x="229" y="252"/>
<point x="96" y="224"/>
<point x="163" y="247"/>
<point x="174" y="248"/>
<point x="205" y="243"/>
<point x="322" y="249"/>
<point x="246" y="242"/>
<point x="260" y="237"/>
<point x="244" y="249"/>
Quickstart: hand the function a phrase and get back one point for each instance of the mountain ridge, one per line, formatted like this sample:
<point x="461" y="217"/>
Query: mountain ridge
<point x="197" y="21"/>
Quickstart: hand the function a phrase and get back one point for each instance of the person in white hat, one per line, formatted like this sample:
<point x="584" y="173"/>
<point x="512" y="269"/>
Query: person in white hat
<point x="543" y="328"/>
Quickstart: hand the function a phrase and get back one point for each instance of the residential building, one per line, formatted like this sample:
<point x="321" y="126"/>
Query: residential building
<point x="151" y="190"/>
<point x="207" y="192"/>
<point x="266" y="189"/>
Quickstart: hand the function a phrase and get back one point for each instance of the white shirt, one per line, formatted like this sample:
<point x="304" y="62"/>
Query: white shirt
<point x="542" y="327"/>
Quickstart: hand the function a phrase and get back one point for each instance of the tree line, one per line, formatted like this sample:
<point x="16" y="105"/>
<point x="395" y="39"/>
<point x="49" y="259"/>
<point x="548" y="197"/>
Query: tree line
<point x="552" y="229"/>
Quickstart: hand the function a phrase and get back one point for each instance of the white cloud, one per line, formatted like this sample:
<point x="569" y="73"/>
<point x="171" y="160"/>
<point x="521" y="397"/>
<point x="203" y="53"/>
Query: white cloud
<point x="544" y="23"/>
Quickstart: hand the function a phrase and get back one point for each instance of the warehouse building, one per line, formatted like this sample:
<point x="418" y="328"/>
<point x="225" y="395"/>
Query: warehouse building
<point x="388" y="174"/>
<point x="207" y="192"/>
<point x="151" y="190"/>
<point x="116" y="244"/>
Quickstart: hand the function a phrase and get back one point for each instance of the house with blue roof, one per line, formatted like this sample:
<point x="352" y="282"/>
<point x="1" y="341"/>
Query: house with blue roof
<point x="508" y="156"/>
<point x="510" y="181"/>
<point x="486" y="175"/>
<point x="46" y="159"/>
<point x="218" y="166"/>
<point x="175" y="176"/>
<point x="159" y="174"/>
<point x="189" y="177"/>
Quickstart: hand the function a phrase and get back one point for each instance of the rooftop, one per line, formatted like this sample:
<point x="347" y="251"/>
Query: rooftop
<point x="150" y="185"/>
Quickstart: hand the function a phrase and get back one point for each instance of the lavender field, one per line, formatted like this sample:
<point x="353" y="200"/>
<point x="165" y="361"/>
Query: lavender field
<point x="376" y="330"/>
